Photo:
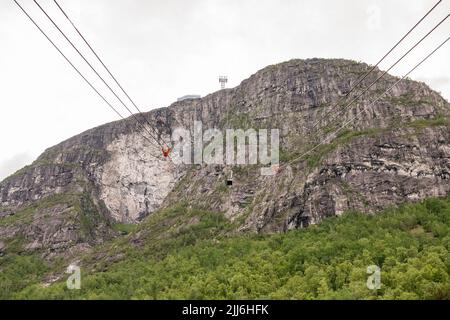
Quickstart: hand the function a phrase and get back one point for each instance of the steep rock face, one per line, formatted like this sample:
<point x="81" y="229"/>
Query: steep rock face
<point x="370" y="173"/>
<point x="296" y="95"/>
<point x="394" y="150"/>
<point x="133" y="182"/>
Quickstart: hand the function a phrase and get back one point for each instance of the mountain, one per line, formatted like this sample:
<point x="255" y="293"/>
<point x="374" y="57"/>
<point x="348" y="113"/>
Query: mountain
<point x="95" y="186"/>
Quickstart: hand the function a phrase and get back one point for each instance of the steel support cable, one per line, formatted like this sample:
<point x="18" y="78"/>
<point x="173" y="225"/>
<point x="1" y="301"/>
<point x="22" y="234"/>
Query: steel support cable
<point x="95" y="71"/>
<point x="107" y="69"/>
<point x="391" y="87"/>
<point x="76" y="69"/>
<point x="376" y="65"/>
<point x="385" y="72"/>
<point x="374" y="101"/>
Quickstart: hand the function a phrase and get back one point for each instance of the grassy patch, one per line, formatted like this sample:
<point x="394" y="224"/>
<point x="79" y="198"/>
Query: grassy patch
<point x="420" y="125"/>
<point x="222" y="188"/>
<point x="24" y="215"/>
<point x="19" y="271"/>
<point x="124" y="228"/>
<point x="408" y="99"/>
<point x="314" y="158"/>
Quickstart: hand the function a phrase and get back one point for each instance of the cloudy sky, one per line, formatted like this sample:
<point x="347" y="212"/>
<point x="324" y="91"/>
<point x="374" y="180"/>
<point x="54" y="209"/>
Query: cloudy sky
<point x="163" y="49"/>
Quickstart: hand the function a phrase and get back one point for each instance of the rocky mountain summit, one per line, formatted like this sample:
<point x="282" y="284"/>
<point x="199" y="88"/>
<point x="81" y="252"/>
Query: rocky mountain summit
<point x="395" y="150"/>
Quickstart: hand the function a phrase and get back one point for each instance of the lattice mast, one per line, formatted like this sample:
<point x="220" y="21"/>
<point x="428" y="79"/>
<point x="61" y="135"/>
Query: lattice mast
<point x="223" y="81"/>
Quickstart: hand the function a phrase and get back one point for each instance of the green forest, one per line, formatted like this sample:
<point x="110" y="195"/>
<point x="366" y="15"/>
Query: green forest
<point x="410" y="243"/>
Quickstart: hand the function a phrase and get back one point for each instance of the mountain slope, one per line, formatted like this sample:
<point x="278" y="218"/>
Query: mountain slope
<point x="198" y="261"/>
<point x="77" y="194"/>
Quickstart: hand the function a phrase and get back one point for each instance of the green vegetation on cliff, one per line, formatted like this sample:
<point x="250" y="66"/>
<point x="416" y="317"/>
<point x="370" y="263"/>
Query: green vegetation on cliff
<point x="186" y="253"/>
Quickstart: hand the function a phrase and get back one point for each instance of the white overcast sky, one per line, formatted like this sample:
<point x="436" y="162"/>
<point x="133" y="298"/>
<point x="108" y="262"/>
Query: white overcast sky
<point x="163" y="49"/>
